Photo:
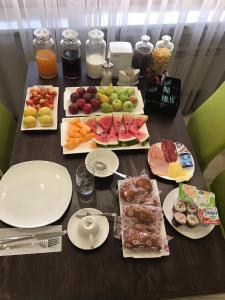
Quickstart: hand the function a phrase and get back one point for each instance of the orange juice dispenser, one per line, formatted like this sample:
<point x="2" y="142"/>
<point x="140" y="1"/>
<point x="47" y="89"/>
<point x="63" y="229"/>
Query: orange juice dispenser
<point x="44" y="53"/>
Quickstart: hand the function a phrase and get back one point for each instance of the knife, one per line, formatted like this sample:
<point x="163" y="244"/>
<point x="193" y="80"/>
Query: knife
<point x="85" y="214"/>
<point x="38" y="236"/>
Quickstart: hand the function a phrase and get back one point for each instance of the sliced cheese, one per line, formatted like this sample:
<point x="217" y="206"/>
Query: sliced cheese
<point x="175" y="170"/>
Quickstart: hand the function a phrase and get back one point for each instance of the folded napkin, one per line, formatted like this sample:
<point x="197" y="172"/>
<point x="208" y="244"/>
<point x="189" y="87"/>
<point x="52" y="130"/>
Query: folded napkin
<point x="32" y="249"/>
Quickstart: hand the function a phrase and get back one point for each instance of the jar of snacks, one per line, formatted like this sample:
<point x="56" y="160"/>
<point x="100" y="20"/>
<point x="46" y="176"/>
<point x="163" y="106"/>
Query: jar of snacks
<point x="95" y="53"/>
<point x="45" y="54"/>
<point x="106" y="73"/>
<point x="71" y="54"/>
<point x="142" y="55"/>
<point x="161" y="55"/>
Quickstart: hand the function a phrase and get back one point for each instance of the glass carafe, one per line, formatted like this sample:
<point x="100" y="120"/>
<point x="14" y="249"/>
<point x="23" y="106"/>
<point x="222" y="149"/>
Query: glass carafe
<point x="95" y="53"/>
<point x="142" y="55"/>
<point x="44" y="53"/>
<point x="161" y="55"/>
<point x="71" y="54"/>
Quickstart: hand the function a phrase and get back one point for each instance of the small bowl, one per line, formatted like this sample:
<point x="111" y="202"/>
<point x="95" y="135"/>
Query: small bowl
<point x="104" y="155"/>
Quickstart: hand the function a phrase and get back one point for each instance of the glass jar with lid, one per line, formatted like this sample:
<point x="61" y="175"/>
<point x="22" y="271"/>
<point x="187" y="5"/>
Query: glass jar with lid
<point x="95" y="53"/>
<point x="106" y="73"/>
<point x="142" y="55"/>
<point x="71" y="54"/>
<point x="162" y="54"/>
<point x="45" y="54"/>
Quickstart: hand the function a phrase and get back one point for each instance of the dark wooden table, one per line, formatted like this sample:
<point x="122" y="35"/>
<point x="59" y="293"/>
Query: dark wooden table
<point x="194" y="267"/>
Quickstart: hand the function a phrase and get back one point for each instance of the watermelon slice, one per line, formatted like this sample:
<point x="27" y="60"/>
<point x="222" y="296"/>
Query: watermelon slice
<point x="139" y="121"/>
<point x="126" y="139"/>
<point x="105" y="121"/>
<point x="117" y="120"/>
<point x="91" y="122"/>
<point x="127" y="120"/>
<point x="101" y="140"/>
<point x="112" y="138"/>
<point x="142" y="137"/>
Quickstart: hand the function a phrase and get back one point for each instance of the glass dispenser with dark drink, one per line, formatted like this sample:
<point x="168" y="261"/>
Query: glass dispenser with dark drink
<point x="71" y="54"/>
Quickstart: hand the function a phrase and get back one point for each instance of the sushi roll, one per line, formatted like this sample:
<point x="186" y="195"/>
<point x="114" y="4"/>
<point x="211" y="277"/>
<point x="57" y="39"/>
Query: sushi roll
<point x="180" y="206"/>
<point x="179" y="219"/>
<point x="192" y="208"/>
<point x="192" y="220"/>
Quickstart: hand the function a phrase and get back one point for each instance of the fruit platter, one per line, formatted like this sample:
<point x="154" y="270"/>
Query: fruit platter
<point x="82" y="101"/>
<point x="41" y="108"/>
<point x="115" y="131"/>
<point x="171" y="160"/>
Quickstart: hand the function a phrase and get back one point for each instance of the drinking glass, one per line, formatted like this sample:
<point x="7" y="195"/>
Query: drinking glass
<point x="85" y="179"/>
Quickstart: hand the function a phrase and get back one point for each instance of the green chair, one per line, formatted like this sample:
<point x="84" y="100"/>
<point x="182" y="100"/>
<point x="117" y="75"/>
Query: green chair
<point x="7" y="132"/>
<point x="206" y="128"/>
<point x="218" y="187"/>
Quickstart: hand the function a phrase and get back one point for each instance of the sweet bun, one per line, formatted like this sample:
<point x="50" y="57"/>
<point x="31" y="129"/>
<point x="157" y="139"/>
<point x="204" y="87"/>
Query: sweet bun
<point x="145" y="183"/>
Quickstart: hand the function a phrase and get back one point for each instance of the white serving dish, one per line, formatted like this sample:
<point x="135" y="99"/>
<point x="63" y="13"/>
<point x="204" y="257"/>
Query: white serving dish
<point x="54" y="111"/>
<point x="138" y="110"/>
<point x="193" y="233"/>
<point x="86" y="147"/>
<point x="34" y="194"/>
<point x="143" y="253"/>
<point x="104" y="155"/>
<point x="189" y="171"/>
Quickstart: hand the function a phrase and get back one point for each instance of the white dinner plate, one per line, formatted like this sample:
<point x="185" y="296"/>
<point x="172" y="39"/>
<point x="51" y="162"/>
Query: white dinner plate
<point x="80" y="240"/>
<point x="189" y="171"/>
<point x="138" y="110"/>
<point x="54" y="111"/>
<point x="34" y="193"/>
<point x="193" y="233"/>
<point x="106" y="156"/>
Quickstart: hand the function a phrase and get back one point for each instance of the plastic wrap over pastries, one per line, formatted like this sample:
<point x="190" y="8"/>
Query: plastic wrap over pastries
<point x="139" y="190"/>
<point x="141" y="227"/>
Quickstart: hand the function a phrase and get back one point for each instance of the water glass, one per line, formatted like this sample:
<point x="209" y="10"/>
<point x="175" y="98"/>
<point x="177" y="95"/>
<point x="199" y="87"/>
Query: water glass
<point x="85" y="179"/>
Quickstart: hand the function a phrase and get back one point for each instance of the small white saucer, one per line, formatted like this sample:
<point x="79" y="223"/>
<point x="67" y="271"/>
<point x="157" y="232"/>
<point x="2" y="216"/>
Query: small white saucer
<point x="104" y="155"/>
<point x="81" y="241"/>
<point x="130" y="84"/>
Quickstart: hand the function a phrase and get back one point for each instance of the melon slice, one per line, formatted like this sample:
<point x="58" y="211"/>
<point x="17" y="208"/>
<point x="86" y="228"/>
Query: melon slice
<point x="126" y="139"/>
<point x="101" y="140"/>
<point x="91" y="122"/>
<point x="139" y="121"/>
<point x="142" y="137"/>
<point x="127" y="120"/>
<point x="112" y="138"/>
<point x="105" y="121"/>
<point x="117" y="120"/>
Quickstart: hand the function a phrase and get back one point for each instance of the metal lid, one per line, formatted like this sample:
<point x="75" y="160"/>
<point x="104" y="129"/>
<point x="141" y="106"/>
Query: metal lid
<point x="107" y="64"/>
<point x="95" y="34"/>
<point x="145" y="38"/>
<point x="42" y="33"/>
<point x="70" y="35"/>
<point x="166" y="38"/>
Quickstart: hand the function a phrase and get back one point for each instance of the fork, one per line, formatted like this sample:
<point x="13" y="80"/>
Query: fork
<point x="44" y="244"/>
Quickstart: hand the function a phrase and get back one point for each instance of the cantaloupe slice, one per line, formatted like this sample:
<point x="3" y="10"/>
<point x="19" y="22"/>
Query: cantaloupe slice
<point x="71" y="143"/>
<point x="88" y="137"/>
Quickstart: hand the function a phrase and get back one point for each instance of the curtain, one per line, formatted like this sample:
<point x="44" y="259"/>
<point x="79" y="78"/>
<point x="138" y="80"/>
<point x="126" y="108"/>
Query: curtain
<point x="196" y="28"/>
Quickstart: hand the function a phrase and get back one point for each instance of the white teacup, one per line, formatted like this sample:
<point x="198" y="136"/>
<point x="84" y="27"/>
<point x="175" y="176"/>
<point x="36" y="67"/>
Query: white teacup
<point x="89" y="226"/>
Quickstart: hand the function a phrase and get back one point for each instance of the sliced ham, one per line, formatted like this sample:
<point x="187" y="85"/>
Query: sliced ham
<point x="157" y="162"/>
<point x="161" y="170"/>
